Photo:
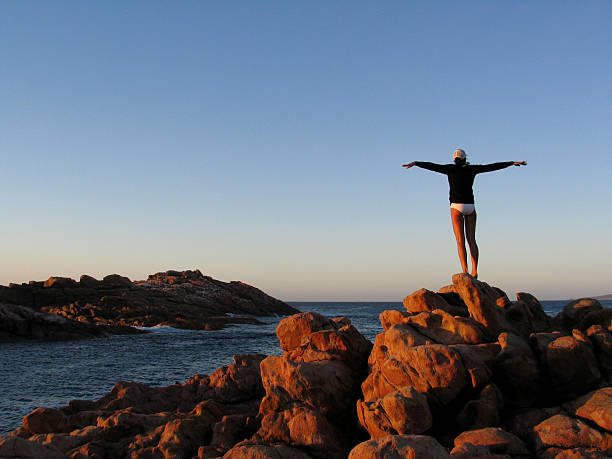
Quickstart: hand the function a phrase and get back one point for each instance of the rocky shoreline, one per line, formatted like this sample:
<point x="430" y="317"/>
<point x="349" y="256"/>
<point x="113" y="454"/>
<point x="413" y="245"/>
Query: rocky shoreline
<point x="62" y="308"/>
<point x="462" y="373"/>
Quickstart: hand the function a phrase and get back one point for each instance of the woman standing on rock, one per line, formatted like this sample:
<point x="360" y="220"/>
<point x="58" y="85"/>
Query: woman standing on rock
<point x="463" y="213"/>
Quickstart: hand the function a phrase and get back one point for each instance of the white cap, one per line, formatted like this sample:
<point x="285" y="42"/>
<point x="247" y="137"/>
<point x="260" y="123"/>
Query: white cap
<point x="459" y="153"/>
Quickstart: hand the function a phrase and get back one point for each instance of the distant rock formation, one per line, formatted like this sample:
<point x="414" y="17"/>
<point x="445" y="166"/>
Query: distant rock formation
<point x="465" y="373"/>
<point x="21" y="322"/>
<point x="181" y="299"/>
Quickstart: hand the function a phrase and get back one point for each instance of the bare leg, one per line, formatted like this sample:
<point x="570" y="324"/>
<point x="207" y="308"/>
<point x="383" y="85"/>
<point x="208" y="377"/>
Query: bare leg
<point x="470" y="234"/>
<point x="457" y="219"/>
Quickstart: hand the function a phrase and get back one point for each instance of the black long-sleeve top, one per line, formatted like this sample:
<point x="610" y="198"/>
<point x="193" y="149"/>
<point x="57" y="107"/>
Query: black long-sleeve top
<point x="461" y="178"/>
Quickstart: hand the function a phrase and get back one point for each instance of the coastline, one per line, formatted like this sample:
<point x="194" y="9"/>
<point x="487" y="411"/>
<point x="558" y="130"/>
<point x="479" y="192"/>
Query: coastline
<point x="305" y="358"/>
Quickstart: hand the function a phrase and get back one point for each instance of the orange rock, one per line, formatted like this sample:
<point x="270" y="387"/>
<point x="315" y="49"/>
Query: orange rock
<point x="443" y="328"/>
<point x="390" y="317"/>
<point x="291" y="330"/>
<point x="20" y="447"/>
<point x="45" y="420"/>
<point x="229" y="431"/>
<point x="435" y="370"/>
<point x="495" y="439"/>
<point x="310" y="337"/>
<point x="483" y="412"/>
<point x="304" y="427"/>
<point x="602" y="346"/>
<point x="518" y="371"/>
<point x="435" y="327"/>
<point x="237" y="382"/>
<point x="481" y="299"/>
<point x="564" y="432"/>
<point x="183" y="437"/>
<point x="398" y="446"/>
<point x="424" y="300"/>
<point x="469" y="451"/>
<point x="477" y="360"/>
<point x="327" y="386"/>
<point x="527" y="315"/>
<point x="573" y="312"/>
<point x="573" y="453"/>
<point x="265" y="452"/>
<point x="404" y="411"/>
<point x="595" y="406"/>
<point x="127" y="419"/>
<point x="571" y="365"/>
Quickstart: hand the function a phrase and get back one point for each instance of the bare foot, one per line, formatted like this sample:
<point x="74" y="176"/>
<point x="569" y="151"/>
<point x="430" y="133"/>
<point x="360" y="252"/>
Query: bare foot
<point x="475" y="275"/>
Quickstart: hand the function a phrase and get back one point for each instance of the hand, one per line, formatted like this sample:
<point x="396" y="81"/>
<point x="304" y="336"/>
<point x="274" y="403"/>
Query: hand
<point x="520" y="163"/>
<point x="409" y="165"/>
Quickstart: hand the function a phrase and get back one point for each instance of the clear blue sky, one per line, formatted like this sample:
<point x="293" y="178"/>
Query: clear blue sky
<point x="262" y="141"/>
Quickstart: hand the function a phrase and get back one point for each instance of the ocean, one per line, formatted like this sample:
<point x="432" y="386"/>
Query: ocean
<point x="50" y="374"/>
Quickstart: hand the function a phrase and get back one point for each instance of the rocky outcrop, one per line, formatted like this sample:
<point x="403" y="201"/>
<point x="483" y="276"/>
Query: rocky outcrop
<point x="500" y="379"/>
<point x="311" y="391"/>
<point x="20" y="322"/>
<point x="181" y="299"/>
<point x="205" y="416"/>
<point x="465" y="364"/>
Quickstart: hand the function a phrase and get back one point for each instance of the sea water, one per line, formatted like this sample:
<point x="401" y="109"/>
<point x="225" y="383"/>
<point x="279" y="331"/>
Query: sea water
<point x="50" y="374"/>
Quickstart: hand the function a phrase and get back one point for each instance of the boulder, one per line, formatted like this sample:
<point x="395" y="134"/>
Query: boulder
<point x="595" y="406"/>
<point x="602" y="347"/>
<point x="327" y="386"/>
<point x="481" y="301"/>
<point x="527" y="315"/>
<point x="237" y="382"/>
<point x="59" y="282"/>
<point x="477" y="361"/>
<point x="229" y="431"/>
<point x="575" y="311"/>
<point x="434" y="369"/>
<point x="573" y="453"/>
<point x="424" y="300"/>
<point x="482" y="412"/>
<point x="182" y="437"/>
<point x="249" y="451"/>
<point x="497" y="440"/>
<point x="469" y="451"/>
<point x="311" y="337"/>
<point x="521" y="423"/>
<point x="404" y="411"/>
<point x="390" y="317"/>
<point x="304" y="427"/>
<point x="400" y="446"/>
<point x="399" y="337"/>
<point x="22" y="448"/>
<point x="443" y="328"/>
<point x="562" y="431"/>
<point x="45" y="420"/>
<point x="571" y="365"/>
<point x="517" y="371"/>
<point x="88" y="281"/>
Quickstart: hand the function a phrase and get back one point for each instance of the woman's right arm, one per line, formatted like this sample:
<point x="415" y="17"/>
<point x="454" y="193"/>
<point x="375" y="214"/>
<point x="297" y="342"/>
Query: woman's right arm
<point x="441" y="168"/>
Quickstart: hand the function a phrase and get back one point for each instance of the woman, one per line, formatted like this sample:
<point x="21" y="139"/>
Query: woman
<point x="463" y="213"/>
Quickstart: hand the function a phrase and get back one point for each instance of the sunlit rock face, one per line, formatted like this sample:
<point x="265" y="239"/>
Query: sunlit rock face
<point x="91" y="307"/>
<point x="464" y="373"/>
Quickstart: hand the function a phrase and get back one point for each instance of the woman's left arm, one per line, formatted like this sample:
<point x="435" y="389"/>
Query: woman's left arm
<point x="494" y="166"/>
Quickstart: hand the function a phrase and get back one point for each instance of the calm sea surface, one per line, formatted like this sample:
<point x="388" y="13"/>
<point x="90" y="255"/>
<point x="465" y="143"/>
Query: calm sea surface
<point x="34" y="374"/>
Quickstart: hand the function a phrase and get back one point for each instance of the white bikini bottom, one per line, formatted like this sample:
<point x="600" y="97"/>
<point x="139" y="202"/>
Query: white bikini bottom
<point x="465" y="209"/>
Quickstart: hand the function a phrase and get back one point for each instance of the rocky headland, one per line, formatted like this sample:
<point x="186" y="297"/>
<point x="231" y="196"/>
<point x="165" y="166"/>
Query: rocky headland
<point x="62" y="308"/>
<point x="462" y="373"/>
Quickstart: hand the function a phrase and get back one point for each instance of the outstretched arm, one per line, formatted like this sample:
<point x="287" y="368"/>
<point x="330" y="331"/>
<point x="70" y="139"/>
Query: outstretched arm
<point x="497" y="166"/>
<point x="441" y="168"/>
